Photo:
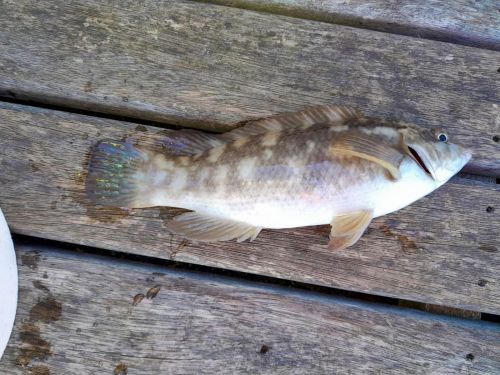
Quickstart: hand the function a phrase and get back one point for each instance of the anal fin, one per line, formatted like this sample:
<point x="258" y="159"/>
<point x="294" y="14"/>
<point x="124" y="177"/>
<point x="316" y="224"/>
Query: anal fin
<point x="202" y="227"/>
<point x="347" y="229"/>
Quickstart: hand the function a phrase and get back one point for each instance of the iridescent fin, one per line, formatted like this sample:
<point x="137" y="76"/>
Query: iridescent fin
<point x="202" y="227"/>
<point x="368" y="147"/>
<point x="117" y="175"/>
<point x="347" y="229"/>
<point x="322" y="114"/>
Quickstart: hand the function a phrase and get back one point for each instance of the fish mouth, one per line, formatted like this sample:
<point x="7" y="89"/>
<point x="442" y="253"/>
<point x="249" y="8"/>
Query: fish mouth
<point x="419" y="160"/>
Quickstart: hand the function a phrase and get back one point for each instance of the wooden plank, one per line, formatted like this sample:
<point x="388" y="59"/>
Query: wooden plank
<point x="77" y="316"/>
<point x="211" y="66"/>
<point x="464" y="22"/>
<point x="443" y="250"/>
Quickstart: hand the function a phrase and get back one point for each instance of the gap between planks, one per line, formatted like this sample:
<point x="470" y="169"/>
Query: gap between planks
<point x="161" y="125"/>
<point x="211" y="66"/>
<point x="81" y="314"/>
<point x="27" y="241"/>
<point x="462" y="22"/>
<point x="449" y="263"/>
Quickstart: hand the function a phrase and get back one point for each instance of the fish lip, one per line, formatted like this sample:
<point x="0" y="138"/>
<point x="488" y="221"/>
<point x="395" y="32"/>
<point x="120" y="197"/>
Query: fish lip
<point x="421" y="160"/>
<point x="465" y="157"/>
<point x="468" y="155"/>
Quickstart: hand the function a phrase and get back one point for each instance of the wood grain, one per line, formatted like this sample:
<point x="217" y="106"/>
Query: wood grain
<point x="76" y="316"/>
<point x="442" y="250"/>
<point x="471" y="23"/>
<point x="211" y="66"/>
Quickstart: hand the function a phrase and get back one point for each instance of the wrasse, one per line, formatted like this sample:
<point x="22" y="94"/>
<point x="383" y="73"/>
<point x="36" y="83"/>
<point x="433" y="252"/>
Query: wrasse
<point x="323" y="165"/>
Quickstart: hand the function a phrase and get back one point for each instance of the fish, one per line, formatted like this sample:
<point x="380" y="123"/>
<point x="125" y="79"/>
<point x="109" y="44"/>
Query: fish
<point x="326" y="164"/>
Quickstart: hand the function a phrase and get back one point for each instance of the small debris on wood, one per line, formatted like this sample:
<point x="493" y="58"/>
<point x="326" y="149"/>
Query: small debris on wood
<point x="470" y="357"/>
<point x="121" y="369"/>
<point x="88" y="87"/>
<point x="482" y="282"/>
<point x="40" y="370"/>
<point x="138" y="299"/>
<point x="488" y="248"/>
<point x="153" y="292"/>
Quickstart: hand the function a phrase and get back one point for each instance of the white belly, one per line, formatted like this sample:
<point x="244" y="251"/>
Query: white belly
<point x="382" y="196"/>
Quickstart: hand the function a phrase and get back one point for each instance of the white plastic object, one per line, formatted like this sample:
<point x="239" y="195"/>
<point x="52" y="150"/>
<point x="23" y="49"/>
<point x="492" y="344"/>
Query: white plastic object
<point x="8" y="284"/>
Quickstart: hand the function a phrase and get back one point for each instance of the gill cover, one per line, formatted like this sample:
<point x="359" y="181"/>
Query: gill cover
<point x="434" y="153"/>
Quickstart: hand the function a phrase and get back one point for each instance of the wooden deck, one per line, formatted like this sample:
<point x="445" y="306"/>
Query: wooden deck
<point x="107" y="291"/>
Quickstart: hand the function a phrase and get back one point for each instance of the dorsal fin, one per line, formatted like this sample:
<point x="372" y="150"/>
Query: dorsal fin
<point x="185" y="142"/>
<point x="322" y="114"/>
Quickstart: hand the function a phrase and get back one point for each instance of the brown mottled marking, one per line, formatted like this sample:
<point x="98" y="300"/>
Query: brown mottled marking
<point x="240" y="142"/>
<point x="270" y="139"/>
<point x="183" y="161"/>
<point x="215" y="153"/>
<point x="198" y="156"/>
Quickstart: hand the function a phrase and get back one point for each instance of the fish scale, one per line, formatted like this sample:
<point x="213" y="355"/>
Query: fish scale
<point x="290" y="177"/>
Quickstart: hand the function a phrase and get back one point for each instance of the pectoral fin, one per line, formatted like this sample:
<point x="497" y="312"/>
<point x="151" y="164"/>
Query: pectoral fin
<point x="347" y="229"/>
<point x="370" y="148"/>
<point x="201" y="227"/>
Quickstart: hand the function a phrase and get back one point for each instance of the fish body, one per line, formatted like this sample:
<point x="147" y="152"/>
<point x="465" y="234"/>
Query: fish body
<point x="325" y="165"/>
<point x="285" y="183"/>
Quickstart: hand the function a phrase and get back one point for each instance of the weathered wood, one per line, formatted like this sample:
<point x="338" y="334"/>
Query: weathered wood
<point x="444" y="249"/>
<point x="77" y="316"/>
<point x="471" y="23"/>
<point x="211" y="66"/>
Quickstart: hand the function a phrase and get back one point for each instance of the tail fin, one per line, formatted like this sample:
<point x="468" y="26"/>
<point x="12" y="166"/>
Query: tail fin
<point x="116" y="174"/>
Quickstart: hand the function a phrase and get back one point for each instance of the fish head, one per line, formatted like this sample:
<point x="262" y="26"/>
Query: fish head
<point x="435" y="152"/>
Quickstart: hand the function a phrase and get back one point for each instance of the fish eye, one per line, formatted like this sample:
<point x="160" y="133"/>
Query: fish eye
<point x="442" y="137"/>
